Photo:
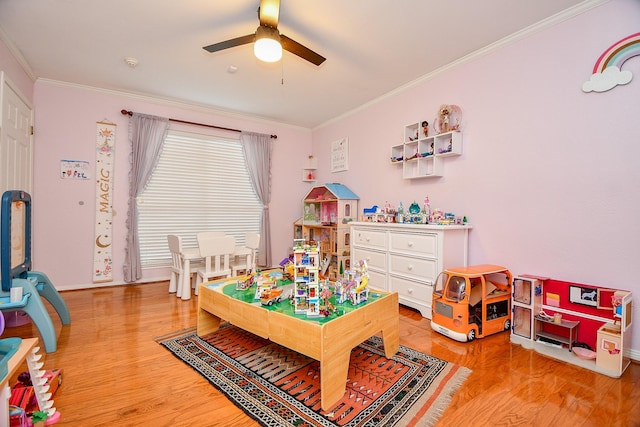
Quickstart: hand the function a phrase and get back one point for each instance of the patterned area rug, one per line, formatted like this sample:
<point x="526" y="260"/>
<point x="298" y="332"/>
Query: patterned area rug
<point x="279" y="387"/>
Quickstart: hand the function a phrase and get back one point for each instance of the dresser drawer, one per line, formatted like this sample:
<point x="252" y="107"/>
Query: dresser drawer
<point x="369" y="238"/>
<point x="416" y="268"/>
<point x="410" y="290"/>
<point x="378" y="280"/>
<point x="376" y="260"/>
<point x="414" y="244"/>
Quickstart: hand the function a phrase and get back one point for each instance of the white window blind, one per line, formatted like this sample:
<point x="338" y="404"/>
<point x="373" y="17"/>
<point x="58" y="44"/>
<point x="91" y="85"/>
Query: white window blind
<point x="200" y="184"/>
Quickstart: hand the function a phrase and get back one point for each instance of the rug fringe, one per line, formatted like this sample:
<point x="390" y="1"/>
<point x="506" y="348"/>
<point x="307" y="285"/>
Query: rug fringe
<point x="438" y="408"/>
<point x="174" y="334"/>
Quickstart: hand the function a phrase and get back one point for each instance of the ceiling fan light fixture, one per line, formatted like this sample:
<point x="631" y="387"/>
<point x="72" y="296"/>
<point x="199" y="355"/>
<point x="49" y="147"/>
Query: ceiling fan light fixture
<point x="267" y="46"/>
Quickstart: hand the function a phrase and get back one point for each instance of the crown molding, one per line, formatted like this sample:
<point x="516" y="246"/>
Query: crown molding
<point x="17" y="55"/>
<point x="566" y="14"/>
<point x="167" y="102"/>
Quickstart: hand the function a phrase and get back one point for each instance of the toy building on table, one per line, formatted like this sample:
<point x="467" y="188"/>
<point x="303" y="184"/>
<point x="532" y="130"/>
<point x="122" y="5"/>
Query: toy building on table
<point x="586" y="325"/>
<point x="306" y="263"/>
<point x="327" y="211"/>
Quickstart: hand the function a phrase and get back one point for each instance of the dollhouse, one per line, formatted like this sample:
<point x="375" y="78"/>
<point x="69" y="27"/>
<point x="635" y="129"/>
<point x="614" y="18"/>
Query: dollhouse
<point x="327" y="212"/>
<point x="581" y="324"/>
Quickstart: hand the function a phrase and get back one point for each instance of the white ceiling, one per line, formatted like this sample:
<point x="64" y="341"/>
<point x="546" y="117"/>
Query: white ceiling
<point x="372" y="47"/>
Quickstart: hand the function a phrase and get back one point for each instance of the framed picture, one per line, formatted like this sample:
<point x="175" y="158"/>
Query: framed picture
<point x="340" y="155"/>
<point x="584" y="296"/>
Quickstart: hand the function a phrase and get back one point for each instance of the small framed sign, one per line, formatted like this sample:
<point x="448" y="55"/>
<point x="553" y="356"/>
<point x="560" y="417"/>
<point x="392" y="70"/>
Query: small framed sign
<point x="74" y="169"/>
<point x="340" y="155"/>
<point x="585" y="296"/>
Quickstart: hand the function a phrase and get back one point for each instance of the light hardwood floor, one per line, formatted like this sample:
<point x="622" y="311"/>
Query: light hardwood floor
<point x="115" y="374"/>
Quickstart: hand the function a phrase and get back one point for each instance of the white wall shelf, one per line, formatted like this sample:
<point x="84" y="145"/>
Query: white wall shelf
<point x="422" y="156"/>
<point x="309" y="170"/>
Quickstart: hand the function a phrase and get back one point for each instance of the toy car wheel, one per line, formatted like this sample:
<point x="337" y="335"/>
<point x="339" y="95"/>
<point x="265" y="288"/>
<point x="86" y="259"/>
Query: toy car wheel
<point x="507" y="324"/>
<point x="471" y="335"/>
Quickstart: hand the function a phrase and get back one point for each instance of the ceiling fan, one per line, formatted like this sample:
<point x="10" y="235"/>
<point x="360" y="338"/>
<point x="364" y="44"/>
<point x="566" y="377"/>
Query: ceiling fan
<point x="267" y="40"/>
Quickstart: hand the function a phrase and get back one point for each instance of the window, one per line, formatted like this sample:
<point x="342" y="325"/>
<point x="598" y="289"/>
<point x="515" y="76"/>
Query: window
<point x="200" y="184"/>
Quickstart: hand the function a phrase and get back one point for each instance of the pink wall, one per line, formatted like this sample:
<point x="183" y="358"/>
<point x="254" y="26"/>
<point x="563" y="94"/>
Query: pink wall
<point x="64" y="210"/>
<point x="548" y="176"/>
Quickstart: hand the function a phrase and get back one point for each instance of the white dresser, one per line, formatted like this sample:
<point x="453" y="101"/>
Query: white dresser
<point x="407" y="258"/>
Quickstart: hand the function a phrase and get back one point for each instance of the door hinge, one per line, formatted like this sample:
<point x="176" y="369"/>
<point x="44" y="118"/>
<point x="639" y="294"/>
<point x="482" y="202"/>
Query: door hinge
<point x="31" y="130"/>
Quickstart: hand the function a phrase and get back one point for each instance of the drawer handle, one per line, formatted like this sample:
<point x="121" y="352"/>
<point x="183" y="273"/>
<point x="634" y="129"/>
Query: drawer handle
<point x="410" y="290"/>
<point x="410" y="267"/>
<point x="410" y="244"/>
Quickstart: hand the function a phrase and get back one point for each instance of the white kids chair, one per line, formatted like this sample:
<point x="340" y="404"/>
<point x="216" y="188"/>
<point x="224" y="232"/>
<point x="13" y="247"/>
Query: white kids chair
<point x="245" y="257"/>
<point x="182" y="261"/>
<point x="216" y="251"/>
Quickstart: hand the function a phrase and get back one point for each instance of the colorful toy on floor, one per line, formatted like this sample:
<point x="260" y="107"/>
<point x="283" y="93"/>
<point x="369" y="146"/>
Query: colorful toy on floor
<point x="15" y="265"/>
<point x="472" y="302"/>
<point x="23" y="394"/>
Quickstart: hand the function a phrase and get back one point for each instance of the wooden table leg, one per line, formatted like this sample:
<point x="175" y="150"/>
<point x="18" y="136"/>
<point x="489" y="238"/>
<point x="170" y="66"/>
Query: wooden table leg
<point x="341" y="335"/>
<point x="334" y="369"/>
<point x="207" y="322"/>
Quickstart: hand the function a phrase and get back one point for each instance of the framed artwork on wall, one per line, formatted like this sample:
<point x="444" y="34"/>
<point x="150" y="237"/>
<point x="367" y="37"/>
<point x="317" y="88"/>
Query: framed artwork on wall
<point x="340" y="155"/>
<point x="584" y="296"/>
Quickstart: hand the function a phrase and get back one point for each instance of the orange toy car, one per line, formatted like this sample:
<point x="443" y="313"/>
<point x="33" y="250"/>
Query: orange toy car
<point x="472" y="302"/>
<point x="271" y="296"/>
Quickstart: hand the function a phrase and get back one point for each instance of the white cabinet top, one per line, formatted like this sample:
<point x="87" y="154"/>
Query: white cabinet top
<point x="410" y="227"/>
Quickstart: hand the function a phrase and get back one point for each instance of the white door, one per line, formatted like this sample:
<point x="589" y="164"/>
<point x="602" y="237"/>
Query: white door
<point x="16" y="141"/>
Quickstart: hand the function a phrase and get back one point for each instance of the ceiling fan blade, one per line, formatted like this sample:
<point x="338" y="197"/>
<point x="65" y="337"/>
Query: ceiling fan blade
<point x="238" y="41"/>
<point x="269" y="12"/>
<point x="300" y="50"/>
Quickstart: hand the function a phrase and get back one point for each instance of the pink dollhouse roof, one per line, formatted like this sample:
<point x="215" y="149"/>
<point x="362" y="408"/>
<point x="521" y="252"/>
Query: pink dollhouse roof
<point x="339" y="191"/>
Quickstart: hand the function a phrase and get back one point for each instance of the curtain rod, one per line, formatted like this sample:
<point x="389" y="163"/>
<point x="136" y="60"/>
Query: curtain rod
<point x="130" y="113"/>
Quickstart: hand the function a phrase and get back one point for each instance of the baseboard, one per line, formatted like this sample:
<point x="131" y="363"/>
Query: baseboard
<point x="62" y="288"/>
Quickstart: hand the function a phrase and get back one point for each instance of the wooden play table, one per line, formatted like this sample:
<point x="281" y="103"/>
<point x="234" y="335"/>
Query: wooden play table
<point x="326" y="339"/>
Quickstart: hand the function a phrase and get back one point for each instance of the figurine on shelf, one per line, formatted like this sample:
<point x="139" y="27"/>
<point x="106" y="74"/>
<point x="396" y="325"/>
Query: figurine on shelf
<point x="448" y="118"/>
<point x="443" y="117"/>
<point x="425" y="128"/>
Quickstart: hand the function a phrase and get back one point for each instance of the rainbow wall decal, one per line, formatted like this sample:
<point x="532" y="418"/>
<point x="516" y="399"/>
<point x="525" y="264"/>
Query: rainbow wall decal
<point x="607" y="72"/>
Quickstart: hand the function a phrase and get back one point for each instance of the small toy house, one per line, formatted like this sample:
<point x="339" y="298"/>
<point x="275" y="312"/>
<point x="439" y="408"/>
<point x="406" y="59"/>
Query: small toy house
<point x="327" y="211"/>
